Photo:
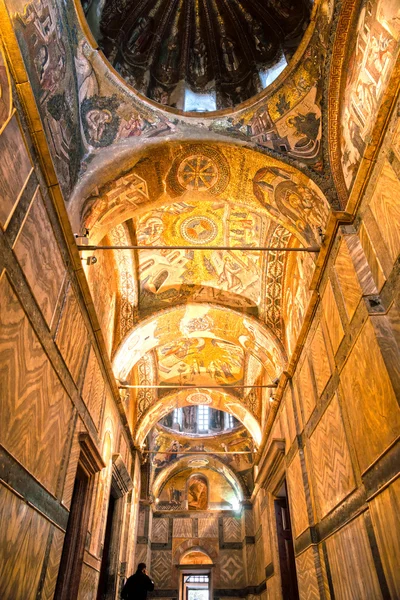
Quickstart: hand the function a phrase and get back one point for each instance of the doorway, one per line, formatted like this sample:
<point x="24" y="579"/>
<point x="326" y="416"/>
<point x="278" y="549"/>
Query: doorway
<point x="105" y="582"/>
<point x="74" y="542"/>
<point x="196" y="586"/>
<point x="287" y="561"/>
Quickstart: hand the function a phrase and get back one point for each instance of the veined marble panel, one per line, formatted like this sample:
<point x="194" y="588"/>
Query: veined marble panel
<point x="93" y="388"/>
<point x="182" y="528"/>
<point x="372" y="258"/>
<point x="350" y="560"/>
<point x="369" y="399"/>
<point x="349" y="285"/>
<point x="385" y="207"/>
<point x="35" y="408"/>
<point x="39" y="256"/>
<point x="332" y="317"/>
<point x="72" y="335"/>
<point x="15" y="167"/>
<point x="385" y="513"/>
<point x="208" y="528"/>
<point x="297" y="498"/>
<point x="306" y="388"/>
<point x="161" y="568"/>
<point x="232" y="529"/>
<point x="320" y="361"/>
<point x="53" y="564"/>
<point x="159" y="532"/>
<point x="88" y="583"/>
<point x="230" y="570"/>
<point x="332" y="469"/>
<point x="307" y="575"/>
<point x="23" y="537"/>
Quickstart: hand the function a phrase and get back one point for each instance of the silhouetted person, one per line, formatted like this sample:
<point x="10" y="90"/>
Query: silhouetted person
<point x="138" y="585"/>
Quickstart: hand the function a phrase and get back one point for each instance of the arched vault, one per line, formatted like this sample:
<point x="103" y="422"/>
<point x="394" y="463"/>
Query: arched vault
<point x="204" y="321"/>
<point x="220" y="400"/>
<point x="215" y="464"/>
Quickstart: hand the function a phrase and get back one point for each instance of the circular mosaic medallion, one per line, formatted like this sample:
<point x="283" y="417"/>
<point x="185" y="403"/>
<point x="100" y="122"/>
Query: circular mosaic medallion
<point x="199" y="398"/>
<point x="199" y="168"/>
<point x="196" y="463"/>
<point x="199" y="230"/>
<point x="197" y="172"/>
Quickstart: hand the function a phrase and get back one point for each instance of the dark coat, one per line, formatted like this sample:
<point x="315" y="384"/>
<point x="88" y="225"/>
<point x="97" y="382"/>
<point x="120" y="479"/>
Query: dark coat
<point x="137" y="586"/>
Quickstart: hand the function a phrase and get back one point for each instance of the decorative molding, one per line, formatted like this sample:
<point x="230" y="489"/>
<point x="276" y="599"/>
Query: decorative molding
<point x="90" y="458"/>
<point x="272" y="466"/>
<point x="121" y="481"/>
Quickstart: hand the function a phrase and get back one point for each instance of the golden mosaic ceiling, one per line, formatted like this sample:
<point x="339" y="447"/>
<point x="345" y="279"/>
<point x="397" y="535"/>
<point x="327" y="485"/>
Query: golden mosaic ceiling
<point x="224" y="52"/>
<point x="185" y="311"/>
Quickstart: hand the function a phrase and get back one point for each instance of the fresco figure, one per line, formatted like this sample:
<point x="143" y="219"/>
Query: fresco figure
<point x="197" y="493"/>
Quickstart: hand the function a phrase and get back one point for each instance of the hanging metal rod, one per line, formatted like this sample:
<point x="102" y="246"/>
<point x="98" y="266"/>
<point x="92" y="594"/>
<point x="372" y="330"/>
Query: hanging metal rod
<point x="191" y="387"/>
<point x="241" y="248"/>
<point x="202" y="452"/>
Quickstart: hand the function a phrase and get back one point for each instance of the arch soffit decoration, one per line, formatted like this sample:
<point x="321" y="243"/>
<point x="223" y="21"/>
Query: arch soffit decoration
<point x="220" y="400"/>
<point x="200" y="320"/>
<point x="214" y="464"/>
<point x="275" y="189"/>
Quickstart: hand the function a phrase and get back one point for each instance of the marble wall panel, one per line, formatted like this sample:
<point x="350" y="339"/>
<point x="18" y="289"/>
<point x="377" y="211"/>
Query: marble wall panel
<point x="230" y="570"/>
<point x="371" y="256"/>
<point x="72" y="335"/>
<point x="232" y="529"/>
<point x="161" y="568"/>
<point x="298" y="506"/>
<point x="49" y="584"/>
<point x="35" y="409"/>
<point x="385" y="207"/>
<point x="332" y="469"/>
<point x="385" y="513"/>
<point x="348" y="281"/>
<point x="332" y="317"/>
<point x="15" y="167"/>
<point x="93" y="388"/>
<point x="369" y="399"/>
<point x="207" y="528"/>
<point x="39" y="256"/>
<point x="307" y="575"/>
<point x="291" y="423"/>
<point x="251" y="563"/>
<point x="351" y="564"/>
<point x="88" y="583"/>
<point x="306" y="389"/>
<point x="320" y="361"/>
<point x="159" y="533"/>
<point x="182" y="528"/>
<point x="23" y="536"/>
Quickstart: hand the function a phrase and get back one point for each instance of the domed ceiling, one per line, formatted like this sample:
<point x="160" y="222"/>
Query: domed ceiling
<point x="199" y="54"/>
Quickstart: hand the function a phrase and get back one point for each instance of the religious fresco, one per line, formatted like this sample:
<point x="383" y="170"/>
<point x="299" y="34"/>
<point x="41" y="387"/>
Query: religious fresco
<point x="42" y="32"/>
<point x="232" y="278"/>
<point x="212" y="322"/>
<point x="170" y="447"/>
<point x="5" y="91"/>
<point x="197" y="493"/>
<point x="221" y="55"/>
<point x="200" y="361"/>
<point x="372" y="55"/>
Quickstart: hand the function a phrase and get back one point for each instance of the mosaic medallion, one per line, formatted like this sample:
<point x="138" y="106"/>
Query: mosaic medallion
<point x="198" y="173"/>
<point x="199" y="398"/>
<point x="199" y="230"/>
<point x="199" y="168"/>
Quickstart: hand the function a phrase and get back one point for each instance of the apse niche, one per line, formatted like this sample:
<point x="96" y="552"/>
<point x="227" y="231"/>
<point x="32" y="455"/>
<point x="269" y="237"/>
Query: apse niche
<point x="198" y="55"/>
